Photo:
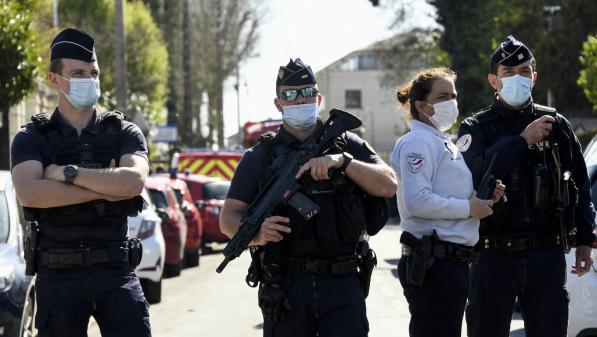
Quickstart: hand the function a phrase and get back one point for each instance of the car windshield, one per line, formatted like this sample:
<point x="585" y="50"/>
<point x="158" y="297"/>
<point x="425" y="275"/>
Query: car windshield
<point x="216" y="190"/>
<point x="4" y="218"/>
<point x="158" y="198"/>
<point x="178" y="194"/>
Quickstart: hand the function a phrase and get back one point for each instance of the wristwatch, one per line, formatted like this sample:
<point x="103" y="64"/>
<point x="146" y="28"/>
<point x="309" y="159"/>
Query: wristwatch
<point x="70" y="174"/>
<point x="347" y="159"/>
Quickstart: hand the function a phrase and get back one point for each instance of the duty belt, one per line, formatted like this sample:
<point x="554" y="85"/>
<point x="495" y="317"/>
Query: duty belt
<point x="70" y="258"/>
<point x="341" y="265"/>
<point x="517" y="244"/>
<point x="448" y="250"/>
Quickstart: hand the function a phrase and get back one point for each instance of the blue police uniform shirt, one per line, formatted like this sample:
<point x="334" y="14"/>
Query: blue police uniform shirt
<point x="29" y="144"/>
<point x="245" y="183"/>
<point x="434" y="185"/>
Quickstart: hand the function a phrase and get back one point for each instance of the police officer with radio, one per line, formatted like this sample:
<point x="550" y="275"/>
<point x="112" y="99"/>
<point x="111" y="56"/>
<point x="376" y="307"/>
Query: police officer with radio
<point x="78" y="174"/>
<point x="307" y="270"/>
<point x="547" y="205"/>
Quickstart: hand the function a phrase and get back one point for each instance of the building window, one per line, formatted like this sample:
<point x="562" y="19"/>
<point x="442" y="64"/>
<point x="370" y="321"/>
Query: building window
<point x="353" y="98"/>
<point x="367" y="62"/>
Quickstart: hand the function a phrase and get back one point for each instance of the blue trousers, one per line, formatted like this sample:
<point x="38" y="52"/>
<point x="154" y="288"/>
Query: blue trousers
<point x="67" y="298"/>
<point x="323" y="306"/>
<point x="536" y="276"/>
<point x="436" y="308"/>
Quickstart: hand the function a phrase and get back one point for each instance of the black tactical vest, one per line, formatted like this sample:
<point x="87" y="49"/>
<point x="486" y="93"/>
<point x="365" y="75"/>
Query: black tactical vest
<point x="96" y="151"/>
<point x="526" y="208"/>
<point x="336" y="229"/>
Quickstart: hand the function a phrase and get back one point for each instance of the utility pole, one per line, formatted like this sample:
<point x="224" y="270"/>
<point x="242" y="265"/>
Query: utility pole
<point x="120" y="53"/>
<point x="219" y="74"/>
<point x="55" y="13"/>
<point x="237" y="87"/>
<point x="550" y="12"/>
<point x="187" y="73"/>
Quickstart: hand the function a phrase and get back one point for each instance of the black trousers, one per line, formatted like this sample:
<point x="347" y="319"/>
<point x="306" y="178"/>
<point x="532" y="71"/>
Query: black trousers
<point x="436" y="308"/>
<point x="322" y="306"/>
<point x="536" y="276"/>
<point x="67" y="298"/>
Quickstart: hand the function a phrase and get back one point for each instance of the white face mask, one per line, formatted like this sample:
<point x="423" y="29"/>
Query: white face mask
<point x="300" y="116"/>
<point x="84" y="92"/>
<point x="446" y="114"/>
<point x="516" y="90"/>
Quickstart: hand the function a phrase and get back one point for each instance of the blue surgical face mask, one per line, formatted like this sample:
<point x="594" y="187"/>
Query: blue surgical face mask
<point x="516" y="90"/>
<point x="300" y="116"/>
<point x="84" y="92"/>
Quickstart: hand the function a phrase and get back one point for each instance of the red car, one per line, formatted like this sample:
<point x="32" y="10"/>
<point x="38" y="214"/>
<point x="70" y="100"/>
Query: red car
<point x="174" y="225"/>
<point x="208" y="193"/>
<point x="194" y="222"/>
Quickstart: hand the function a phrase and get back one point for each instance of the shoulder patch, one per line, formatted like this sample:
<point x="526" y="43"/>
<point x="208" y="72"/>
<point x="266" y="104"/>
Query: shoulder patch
<point x="415" y="161"/>
<point x="464" y="142"/>
<point x="369" y="147"/>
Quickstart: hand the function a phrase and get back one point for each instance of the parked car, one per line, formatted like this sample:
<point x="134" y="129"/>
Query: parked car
<point x="174" y="225"/>
<point x="582" y="315"/>
<point x="194" y="221"/>
<point x="208" y="194"/>
<point x="17" y="290"/>
<point x="147" y="226"/>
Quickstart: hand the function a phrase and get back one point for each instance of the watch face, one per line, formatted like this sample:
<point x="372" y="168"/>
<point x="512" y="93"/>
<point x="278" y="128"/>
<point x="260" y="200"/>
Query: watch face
<point x="70" y="172"/>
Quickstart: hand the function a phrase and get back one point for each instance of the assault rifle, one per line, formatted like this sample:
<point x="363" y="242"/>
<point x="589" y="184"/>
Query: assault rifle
<point x="283" y="188"/>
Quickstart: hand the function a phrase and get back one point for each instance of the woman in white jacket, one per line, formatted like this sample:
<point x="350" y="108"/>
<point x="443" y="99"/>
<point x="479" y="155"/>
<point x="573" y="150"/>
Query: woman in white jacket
<point x="438" y="207"/>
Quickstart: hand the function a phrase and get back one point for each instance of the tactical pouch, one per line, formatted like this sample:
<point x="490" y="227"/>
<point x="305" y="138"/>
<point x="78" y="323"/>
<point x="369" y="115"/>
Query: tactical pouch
<point x="367" y="261"/>
<point x="135" y="248"/>
<point x="255" y="272"/>
<point x="273" y="302"/>
<point x="540" y="198"/>
<point x="31" y="249"/>
<point x="420" y="258"/>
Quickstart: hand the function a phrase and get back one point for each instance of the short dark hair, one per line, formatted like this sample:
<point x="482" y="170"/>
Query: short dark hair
<point x="493" y="67"/>
<point x="420" y="87"/>
<point x="56" y="66"/>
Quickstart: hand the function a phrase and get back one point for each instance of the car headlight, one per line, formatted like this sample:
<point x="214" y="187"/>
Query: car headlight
<point x="146" y="229"/>
<point x="213" y="210"/>
<point x="7" y="277"/>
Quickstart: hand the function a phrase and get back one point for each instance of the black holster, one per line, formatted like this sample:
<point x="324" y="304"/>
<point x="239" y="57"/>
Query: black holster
<point x="135" y="248"/>
<point x="32" y="249"/>
<point x="420" y="258"/>
<point x="367" y="261"/>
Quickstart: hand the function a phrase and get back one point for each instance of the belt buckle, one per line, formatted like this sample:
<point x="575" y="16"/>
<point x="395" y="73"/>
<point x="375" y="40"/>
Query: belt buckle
<point x="314" y="266"/>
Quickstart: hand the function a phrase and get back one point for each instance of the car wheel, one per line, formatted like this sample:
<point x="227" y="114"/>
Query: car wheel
<point x="206" y="248"/>
<point x="191" y="258"/>
<point x="172" y="270"/>
<point x="152" y="291"/>
<point x="28" y="319"/>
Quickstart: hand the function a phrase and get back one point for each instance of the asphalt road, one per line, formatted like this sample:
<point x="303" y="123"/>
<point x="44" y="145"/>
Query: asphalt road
<point x="203" y="303"/>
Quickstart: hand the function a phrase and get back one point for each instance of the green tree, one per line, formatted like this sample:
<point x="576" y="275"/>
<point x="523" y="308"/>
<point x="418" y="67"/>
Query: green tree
<point x="18" y="60"/>
<point x="467" y="38"/>
<point x="147" y="56"/>
<point x="588" y="75"/>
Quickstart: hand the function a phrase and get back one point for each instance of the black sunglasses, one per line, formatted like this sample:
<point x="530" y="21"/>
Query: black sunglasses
<point x="292" y="94"/>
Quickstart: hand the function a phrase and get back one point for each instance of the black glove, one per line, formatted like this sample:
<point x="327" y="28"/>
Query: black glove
<point x="273" y="302"/>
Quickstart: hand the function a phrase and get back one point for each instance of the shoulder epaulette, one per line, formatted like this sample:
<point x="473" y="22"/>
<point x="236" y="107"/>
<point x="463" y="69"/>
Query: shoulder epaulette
<point x="266" y="137"/>
<point x="486" y="115"/>
<point x="42" y="122"/>
<point x="112" y="115"/>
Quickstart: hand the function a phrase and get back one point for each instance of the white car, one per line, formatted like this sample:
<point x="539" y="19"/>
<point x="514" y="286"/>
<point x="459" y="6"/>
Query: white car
<point x="147" y="227"/>
<point x="582" y="321"/>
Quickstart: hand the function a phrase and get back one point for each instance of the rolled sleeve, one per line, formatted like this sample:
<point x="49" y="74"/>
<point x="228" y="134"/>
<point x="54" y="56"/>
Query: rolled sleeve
<point x="133" y="141"/>
<point x="25" y="146"/>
